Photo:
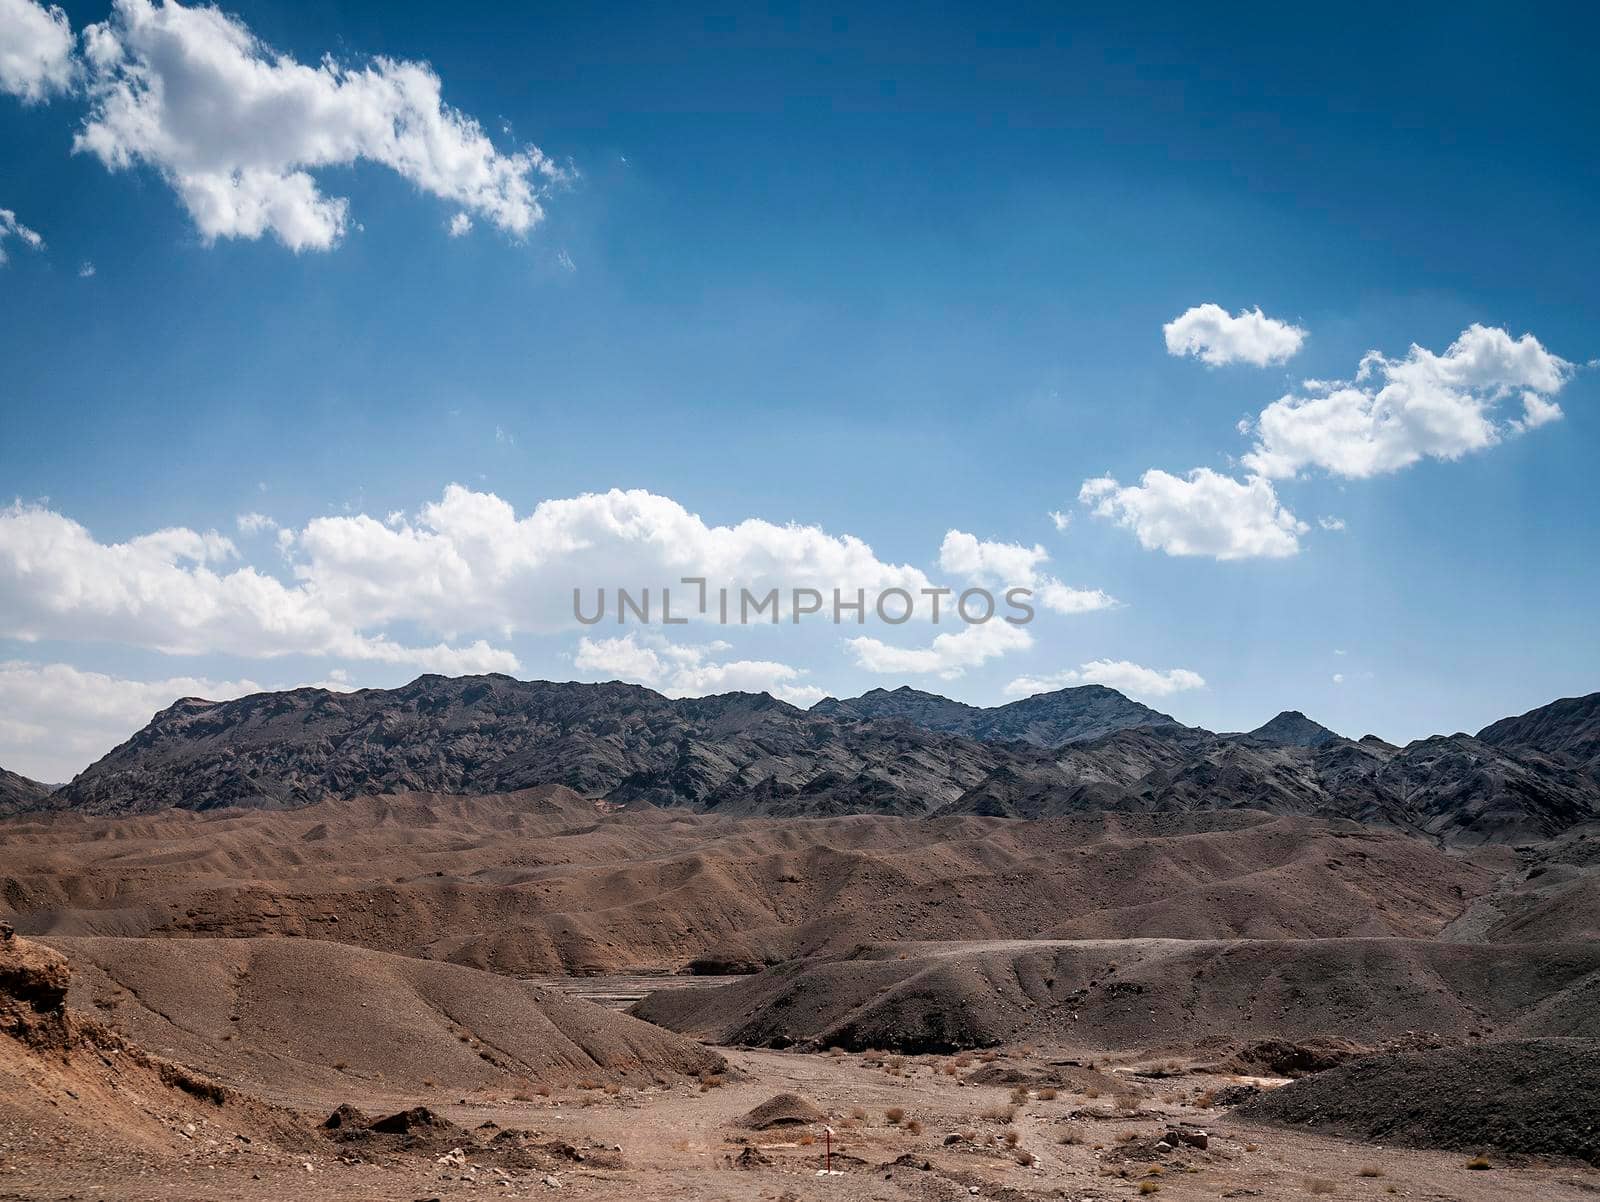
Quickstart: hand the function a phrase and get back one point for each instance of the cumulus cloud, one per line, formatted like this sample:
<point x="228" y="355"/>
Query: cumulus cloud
<point x="1119" y="674"/>
<point x="172" y="591"/>
<point x="998" y="565"/>
<point x="1203" y="513"/>
<point x="680" y="670"/>
<point x="35" y="50"/>
<point x="236" y="129"/>
<point x="949" y="655"/>
<point x="1209" y="333"/>
<point x="56" y="719"/>
<point x="1331" y="523"/>
<point x="460" y="226"/>
<point x="1060" y="520"/>
<point x="255" y="523"/>
<point x="10" y="227"/>
<point x="1422" y="405"/>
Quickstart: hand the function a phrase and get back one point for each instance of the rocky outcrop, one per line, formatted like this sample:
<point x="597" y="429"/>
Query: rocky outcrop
<point x="1045" y="720"/>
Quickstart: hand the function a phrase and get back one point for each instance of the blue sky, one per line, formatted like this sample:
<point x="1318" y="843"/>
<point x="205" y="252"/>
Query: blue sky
<point x="885" y="274"/>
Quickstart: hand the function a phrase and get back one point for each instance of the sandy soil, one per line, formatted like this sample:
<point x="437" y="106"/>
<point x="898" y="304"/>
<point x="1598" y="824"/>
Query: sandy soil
<point x="683" y="1142"/>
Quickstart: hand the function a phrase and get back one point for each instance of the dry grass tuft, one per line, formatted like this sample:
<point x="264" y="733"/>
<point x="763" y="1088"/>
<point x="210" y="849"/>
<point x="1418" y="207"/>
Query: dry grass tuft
<point x="894" y="1114"/>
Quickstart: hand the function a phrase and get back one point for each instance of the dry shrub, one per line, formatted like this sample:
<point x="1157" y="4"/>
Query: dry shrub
<point x="709" y="1081"/>
<point x="989" y="1056"/>
<point x="1000" y="1114"/>
<point x="1047" y="1094"/>
<point x="807" y="1139"/>
<point x="613" y="1089"/>
<point x="962" y="1060"/>
<point x="1127" y="1102"/>
<point x="1019" y="1094"/>
<point x="1206" y="1097"/>
<point x="543" y="1091"/>
<point x="1369" y="1170"/>
<point x="1013" y="1138"/>
<point x="1025" y="1159"/>
<point x="950" y="1070"/>
<point x="1478" y="1163"/>
<point x="858" y="1113"/>
<point x="1318" y="1185"/>
<point x="589" y="1083"/>
<point x="894" y="1114"/>
<point x="913" y="1127"/>
<point x="1127" y="1137"/>
<point x="1149" y="1187"/>
<point x="1091" y="1093"/>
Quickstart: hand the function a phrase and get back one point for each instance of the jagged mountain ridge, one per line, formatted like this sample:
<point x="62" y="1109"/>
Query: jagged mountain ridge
<point x="751" y="754"/>
<point x="1052" y="719"/>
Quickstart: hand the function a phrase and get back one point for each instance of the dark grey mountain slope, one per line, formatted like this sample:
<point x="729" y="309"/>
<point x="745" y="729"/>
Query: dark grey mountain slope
<point x="1568" y="728"/>
<point x="1045" y="720"/>
<point x="18" y="792"/>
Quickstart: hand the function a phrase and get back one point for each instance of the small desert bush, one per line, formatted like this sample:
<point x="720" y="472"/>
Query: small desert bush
<point x="1478" y="1162"/>
<point x="710" y="1081"/>
<point x="1316" y="1185"/>
<point x="807" y="1139"/>
<point x="1047" y="1094"/>
<point x="894" y="1114"/>
<point x="1091" y="1093"/>
<point x="613" y="1089"/>
<point x="1128" y="1102"/>
<point x="1369" y="1171"/>
<point x="1013" y="1138"/>
<point x="913" y="1127"/>
<point x="989" y="1057"/>
<point x="1149" y="1187"/>
<point x="1000" y="1114"/>
<point x="1019" y="1094"/>
<point x="858" y="1113"/>
<point x="1025" y="1159"/>
<point x="588" y="1083"/>
<point x="1070" y="1137"/>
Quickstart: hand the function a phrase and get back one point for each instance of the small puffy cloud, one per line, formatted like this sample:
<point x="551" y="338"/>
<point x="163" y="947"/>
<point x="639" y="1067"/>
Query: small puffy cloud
<point x="1060" y="520"/>
<point x="1001" y="566"/>
<point x="1338" y="678"/>
<point x="1331" y="523"/>
<point x="255" y="523"/>
<point x="460" y="226"/>
<point x="236" y="129"/>
<point x="86" y="270"/>
<point x="1203" y="513"/>
<point x="1209" y="333"/>
<point x="1119" y="674"/>
<point x="35" y="50"/>
<point x="10" y="227"/>
<point x="949" y="655"/>
<point x="680" y="670"/>
<point x="1423" y="405"/>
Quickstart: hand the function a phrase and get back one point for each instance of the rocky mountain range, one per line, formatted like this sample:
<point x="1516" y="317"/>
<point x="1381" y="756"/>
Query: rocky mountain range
<point x="902" y="752"/>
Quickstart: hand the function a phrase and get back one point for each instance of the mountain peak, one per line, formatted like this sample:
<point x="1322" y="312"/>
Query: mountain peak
<point x="1291" y="728"/>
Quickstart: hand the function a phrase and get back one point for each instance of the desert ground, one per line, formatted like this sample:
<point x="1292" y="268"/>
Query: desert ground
<point x="538" y="995"/>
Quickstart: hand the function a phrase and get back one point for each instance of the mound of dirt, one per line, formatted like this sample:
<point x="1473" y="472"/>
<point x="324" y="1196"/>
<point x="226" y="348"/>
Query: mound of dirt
<point x="290" y="1018"/>
<point x="1124" y="994"/>
<point x="783" y="1110"/>
<point x="95" y="1091"/>
<point x="1532" y="1096"/>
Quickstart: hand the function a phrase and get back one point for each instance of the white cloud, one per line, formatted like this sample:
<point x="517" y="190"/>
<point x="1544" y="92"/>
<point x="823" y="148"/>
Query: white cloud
<point x="690" y="671"/>
<point x="86" y="270"/>
<point x="10" y="227"/>
<point x="1010" y="565"/>
<point x="1204" y="513"/>
<point x="35" y="50"/>
<point x="1338" y="678"/>
<point x="166" y="591"/>
<point x="1119" y="674"/>
<point x="949" y="654"/>
<point x="1208" y="333"/>
<point x="255" y="523"/>
<point x="1398" y="411"/>
<point x="55" y="719"/>
<point x="460" y="226"/>
<point x="1061" y="520"/>
<point x="236" y="129"/>
<point x="1331" y="523"/>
